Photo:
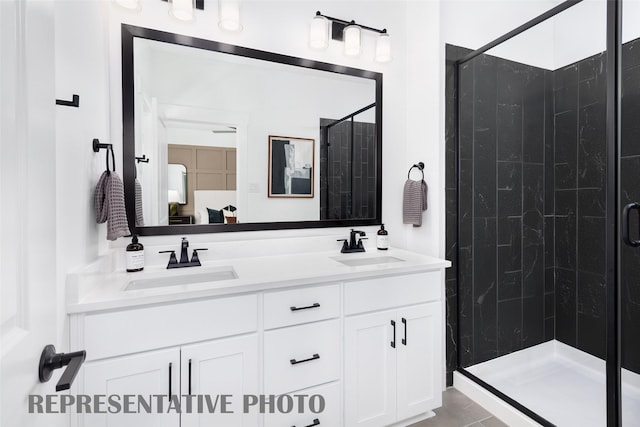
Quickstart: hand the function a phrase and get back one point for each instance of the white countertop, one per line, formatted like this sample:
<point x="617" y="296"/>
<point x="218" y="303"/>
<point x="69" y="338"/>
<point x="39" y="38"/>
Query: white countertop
<point x="94" y="291"/>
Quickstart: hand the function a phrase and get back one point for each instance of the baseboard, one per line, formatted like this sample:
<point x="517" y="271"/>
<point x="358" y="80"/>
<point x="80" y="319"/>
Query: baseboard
<point x="499" y="408"/>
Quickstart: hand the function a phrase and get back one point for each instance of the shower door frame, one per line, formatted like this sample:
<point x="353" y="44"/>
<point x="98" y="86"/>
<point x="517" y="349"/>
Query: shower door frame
<point x="613" y="233"/>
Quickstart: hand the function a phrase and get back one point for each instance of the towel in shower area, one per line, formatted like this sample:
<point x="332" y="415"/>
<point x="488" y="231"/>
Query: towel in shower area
<point x="110" y="208"/>
<point x="139" y="212"/>
<point x="414" y="202"/>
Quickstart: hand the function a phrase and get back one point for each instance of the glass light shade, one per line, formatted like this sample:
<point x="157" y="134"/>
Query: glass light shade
<point x="229" y="15"/>
<point x="319" y="33"/>
<point x="352" y="40"/>
<point x="182" y="9"/>
<point x="383" y="48"/>
<point x="128" y="4"/>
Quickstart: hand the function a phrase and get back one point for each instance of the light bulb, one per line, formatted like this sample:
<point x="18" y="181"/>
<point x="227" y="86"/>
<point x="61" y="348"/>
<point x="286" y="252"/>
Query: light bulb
<point x="182" y="10"/>
<point x="383" y="48"/>
<point x="352" y="40"/>
<point x="128" y="4"/>
<point x="319" y="32"/>
<point x="229" y="15"/>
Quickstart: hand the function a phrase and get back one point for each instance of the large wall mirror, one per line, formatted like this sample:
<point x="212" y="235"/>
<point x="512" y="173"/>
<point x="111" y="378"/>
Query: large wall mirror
<point x="239" y="139"/>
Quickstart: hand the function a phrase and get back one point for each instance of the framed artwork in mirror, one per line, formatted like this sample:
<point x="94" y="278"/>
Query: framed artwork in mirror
<point x="291" y="167"/>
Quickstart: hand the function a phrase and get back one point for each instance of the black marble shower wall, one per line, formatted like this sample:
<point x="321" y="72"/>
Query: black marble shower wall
<point x="504" y="124"/>
<point x="348" y="171"/>
<point x="532" y="204"/>
<point x="580" y="211"/>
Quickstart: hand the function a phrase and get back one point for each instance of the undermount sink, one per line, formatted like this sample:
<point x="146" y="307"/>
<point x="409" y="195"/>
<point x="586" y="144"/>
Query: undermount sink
<point x="210" y="275"/>
<point x="357" y="262"/>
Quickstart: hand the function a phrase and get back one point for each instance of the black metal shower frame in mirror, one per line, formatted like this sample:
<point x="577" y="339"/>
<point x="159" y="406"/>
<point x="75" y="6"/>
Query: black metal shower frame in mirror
<point x="130" y="32"/>
<point x="614" y="229"/>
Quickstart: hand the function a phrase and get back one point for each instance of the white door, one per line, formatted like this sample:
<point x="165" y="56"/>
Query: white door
<point x="28" y="295"/>
<point x="370" y="370"/>
<point x="221" y="367"/>
<point x="419" y="360"/>
<point x="145" y="374"/>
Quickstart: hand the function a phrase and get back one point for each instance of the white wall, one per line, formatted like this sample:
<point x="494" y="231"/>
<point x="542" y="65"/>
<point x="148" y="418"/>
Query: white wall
<point x="180" y="136"/>
<point x="411" y="126"/>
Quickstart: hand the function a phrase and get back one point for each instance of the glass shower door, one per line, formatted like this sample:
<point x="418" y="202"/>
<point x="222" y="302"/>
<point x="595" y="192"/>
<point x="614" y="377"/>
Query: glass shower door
<point x="629" y="273"/>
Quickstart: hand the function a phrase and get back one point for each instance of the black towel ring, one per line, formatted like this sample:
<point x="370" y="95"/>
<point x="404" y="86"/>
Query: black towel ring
<point x="420" y="166"/>
<point x="97" y="146"/>
<point x="113" y="158"/>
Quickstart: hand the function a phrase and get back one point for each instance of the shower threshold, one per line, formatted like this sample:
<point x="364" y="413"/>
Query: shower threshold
<point x="563" y="385"/>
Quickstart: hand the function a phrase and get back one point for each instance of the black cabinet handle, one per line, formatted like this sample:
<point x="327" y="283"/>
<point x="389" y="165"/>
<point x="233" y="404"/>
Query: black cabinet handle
<point x="316" y="422"/>
<point x="393" y="343"/>
<point x="170" y="366"/>
<point x="404" y="322"/>
<point x="314" y="305"/>
<point x="314" y="357"/>
<point x="189" y="376"/>
<point x="626" y="227"/>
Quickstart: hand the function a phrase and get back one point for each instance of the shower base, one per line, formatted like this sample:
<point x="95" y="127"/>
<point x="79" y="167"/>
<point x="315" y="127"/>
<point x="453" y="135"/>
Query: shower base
<point x="560" y="383"/>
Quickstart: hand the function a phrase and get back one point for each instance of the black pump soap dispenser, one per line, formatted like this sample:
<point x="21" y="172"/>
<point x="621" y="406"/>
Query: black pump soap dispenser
<point x="382" y="239"/>
<point x="135" y="255"/>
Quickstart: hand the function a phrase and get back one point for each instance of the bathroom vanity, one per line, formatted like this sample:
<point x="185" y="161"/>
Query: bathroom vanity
<point x="364" y="331"/>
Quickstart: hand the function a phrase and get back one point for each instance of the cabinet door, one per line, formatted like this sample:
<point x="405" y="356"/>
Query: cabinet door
<point x="419" y="359"/>
<point x="370" y="370"/>
<point x="221" y="367"/>
<point x="145" y="374"/>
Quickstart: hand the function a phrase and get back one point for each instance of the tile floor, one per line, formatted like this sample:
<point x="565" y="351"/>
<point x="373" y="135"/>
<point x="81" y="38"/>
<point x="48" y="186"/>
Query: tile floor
<point x="459" y="411"/>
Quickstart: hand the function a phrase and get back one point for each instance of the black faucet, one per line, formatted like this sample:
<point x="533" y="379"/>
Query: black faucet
<point x="353" y="244"/>
<point x="184" y="256"/>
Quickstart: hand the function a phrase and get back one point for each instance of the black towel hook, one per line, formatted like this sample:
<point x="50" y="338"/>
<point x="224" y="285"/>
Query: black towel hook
<point x="97" y="146"/>
<point x="420" y="166"/>
<point x="142" y="159"/>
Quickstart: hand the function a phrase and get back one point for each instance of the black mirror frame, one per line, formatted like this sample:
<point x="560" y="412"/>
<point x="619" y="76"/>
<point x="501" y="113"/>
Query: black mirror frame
<point x="129" y="32"/>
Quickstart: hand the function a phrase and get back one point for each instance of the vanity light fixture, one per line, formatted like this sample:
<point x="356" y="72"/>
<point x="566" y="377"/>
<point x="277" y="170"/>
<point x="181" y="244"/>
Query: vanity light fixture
<point x="352" y="39"/>
<point x="128" y="4"/>
<point x="319" y="32"/>
<point x="229" y="15"/>
<point x="182" y="10"/>
<point x="350" y="33"/>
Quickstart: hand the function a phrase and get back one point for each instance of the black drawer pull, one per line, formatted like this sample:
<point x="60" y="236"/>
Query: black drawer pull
<point x="404" y="322"/>
<point x="393" y="343"/>
<point x="189" y="376"/>
<point x="170" y="366"/>
<point x="316" y="422"/>
<point x="314" y="357"/>
<point x="314" y="305"/>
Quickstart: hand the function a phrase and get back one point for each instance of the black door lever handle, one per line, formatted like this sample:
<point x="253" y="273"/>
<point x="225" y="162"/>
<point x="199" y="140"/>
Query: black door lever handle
<point x="50" y="361"/>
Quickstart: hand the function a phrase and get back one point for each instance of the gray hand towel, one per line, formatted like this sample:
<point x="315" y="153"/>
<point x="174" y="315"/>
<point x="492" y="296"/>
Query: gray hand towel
<point x="139" y="213"/>
<point x="414" y="202"/>
<point x="109" y="203"/>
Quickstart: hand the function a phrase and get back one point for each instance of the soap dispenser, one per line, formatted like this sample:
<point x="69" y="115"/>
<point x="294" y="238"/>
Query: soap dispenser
<point x="135" y="255"/>
<point x="382" y="239"/>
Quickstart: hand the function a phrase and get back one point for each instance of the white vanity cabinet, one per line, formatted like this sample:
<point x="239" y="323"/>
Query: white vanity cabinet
<point x="161" y="350"/>
<point x="369" y="345"/>
<point x="303" y="352"/>
<point x="147" y="374"/>
<point x="221" y="367"/>
<point x="393" y="356"/>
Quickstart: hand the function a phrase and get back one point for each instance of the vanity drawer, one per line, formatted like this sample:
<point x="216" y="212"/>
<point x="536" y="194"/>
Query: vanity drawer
<point x="296" y="306"/>
<point x="394" y="291"/>
<point x="131" y="331"/>
<point x="301" y="356"/>
<point x="329" y="417"/>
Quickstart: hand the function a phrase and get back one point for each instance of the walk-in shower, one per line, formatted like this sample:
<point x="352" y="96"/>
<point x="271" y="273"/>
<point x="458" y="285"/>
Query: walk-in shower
<point x="543" y="154"/>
